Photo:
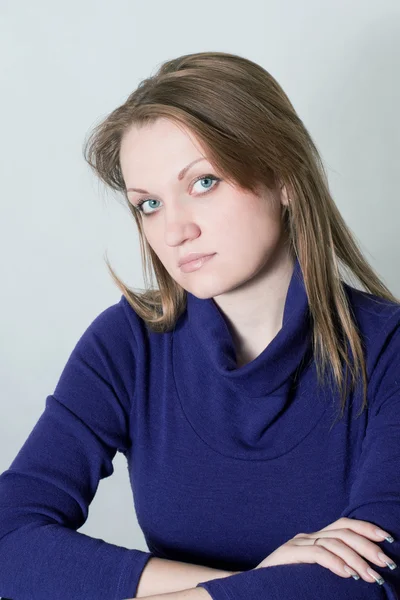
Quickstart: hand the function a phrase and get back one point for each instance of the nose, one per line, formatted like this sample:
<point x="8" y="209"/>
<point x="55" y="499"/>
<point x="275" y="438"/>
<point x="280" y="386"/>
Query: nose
<point x="180" y="225"/>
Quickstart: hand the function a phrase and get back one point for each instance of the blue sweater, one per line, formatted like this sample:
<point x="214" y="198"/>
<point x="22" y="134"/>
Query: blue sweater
<point x="225" y="463"/>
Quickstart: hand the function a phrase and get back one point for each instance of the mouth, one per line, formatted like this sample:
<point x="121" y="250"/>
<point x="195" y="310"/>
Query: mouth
<point x="195" y="265"/>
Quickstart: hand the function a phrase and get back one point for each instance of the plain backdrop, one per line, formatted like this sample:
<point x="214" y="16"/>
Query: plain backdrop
<point x="64" y="66"/>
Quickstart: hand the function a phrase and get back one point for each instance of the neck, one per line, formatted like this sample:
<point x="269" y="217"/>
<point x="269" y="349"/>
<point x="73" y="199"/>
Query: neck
<point x="255" y="327"/>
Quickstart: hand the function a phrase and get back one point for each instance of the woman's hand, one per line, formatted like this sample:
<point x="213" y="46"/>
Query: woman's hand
<point x="340" y="545"/>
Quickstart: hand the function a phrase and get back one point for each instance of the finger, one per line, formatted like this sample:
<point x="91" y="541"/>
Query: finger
<point x="358" y="543"/>
<point x="319" y="555"/>
<point x="349" y="557"/>
<point x="364" y="528"/>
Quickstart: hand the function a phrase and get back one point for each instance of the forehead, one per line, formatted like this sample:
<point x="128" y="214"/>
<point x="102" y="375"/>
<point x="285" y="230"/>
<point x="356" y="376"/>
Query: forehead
<point x="161" y="139"/>
<point x="156" y="151"/>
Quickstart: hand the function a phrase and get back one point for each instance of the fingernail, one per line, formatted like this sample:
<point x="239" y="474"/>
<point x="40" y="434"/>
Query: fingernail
<point x="384" y="534"/>
<point x="392" y="565"/>
<point x="376" y="576"/>
<point x="351" y="572"/>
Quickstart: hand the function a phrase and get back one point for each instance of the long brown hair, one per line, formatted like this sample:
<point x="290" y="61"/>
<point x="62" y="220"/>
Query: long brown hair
<point x="253" y="135"/>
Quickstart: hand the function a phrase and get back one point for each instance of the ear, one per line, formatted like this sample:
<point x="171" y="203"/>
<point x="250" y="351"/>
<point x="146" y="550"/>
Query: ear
<point x="284" y="195"/>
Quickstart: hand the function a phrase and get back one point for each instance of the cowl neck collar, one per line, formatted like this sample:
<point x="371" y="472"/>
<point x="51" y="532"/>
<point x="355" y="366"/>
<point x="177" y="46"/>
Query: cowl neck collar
<point x="237" y="409"/>
<point x="269" y="370"/>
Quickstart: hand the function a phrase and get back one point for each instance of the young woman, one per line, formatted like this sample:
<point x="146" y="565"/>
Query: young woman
<point x="254" y="392"/>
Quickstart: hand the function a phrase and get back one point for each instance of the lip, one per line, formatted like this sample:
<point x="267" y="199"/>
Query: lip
<point x="191" y="257"/>
<point x="194" y="265"/>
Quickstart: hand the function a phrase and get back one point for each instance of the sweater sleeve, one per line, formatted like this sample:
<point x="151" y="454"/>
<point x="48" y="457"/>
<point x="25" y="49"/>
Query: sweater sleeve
<point x="374" y="497"/>
<point x="46" y="492"/>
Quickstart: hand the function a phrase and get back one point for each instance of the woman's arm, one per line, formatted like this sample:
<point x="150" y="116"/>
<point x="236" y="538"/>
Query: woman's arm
<point x="162" y="576"/>
<point x="194" y="594"/>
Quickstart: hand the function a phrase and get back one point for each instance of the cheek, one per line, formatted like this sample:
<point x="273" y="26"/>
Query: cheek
<point x="153" y="241"/>
<point x="151" y="233"/>
<point x="253" y="226"/>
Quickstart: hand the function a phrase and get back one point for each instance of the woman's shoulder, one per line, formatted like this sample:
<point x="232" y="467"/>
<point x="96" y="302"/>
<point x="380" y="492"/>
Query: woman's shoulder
<point x="117" y="321"/>
<point x="378" y="321"/>
<point x="373" y="312"/>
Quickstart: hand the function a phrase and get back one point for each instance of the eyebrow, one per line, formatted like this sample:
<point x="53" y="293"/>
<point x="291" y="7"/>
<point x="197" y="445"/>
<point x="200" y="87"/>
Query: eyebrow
<point x="181" y="175"/>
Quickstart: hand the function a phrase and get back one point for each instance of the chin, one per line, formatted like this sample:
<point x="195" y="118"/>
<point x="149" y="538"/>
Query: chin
<point x="209" y="289"/>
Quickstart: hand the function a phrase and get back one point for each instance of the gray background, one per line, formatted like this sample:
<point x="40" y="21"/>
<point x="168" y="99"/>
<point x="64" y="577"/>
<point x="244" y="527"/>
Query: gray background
<point x="66" y="65"/>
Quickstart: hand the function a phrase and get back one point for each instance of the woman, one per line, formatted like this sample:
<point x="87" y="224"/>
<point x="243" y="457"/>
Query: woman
<point x="254" y="394"/>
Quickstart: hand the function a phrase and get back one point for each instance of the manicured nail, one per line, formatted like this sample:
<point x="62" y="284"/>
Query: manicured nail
<point x="392" y="565"/>
<point x="384" y="534"/>
<point x="351" y="572"/>
<point x="376" y="576"/>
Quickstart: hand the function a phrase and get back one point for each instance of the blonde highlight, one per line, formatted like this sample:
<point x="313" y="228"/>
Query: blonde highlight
<point x="253" y="135"/>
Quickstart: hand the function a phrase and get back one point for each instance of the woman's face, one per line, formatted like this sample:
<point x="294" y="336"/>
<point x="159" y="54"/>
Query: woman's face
<point x="206" y="216"/>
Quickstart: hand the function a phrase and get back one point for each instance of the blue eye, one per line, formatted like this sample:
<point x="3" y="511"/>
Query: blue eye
<point x="139" y="205"/>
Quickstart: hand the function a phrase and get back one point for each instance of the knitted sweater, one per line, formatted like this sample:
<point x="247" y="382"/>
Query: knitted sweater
<point x="225" y="463"/>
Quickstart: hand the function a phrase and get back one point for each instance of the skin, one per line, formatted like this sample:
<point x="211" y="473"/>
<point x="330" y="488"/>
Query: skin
<point x="251" y="268"/>
<point x="192" y="594"/>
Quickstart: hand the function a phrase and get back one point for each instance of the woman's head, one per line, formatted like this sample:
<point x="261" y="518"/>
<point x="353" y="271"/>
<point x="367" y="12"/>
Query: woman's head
<point x="202" y="212"/>
<point x="232" y="111"/>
